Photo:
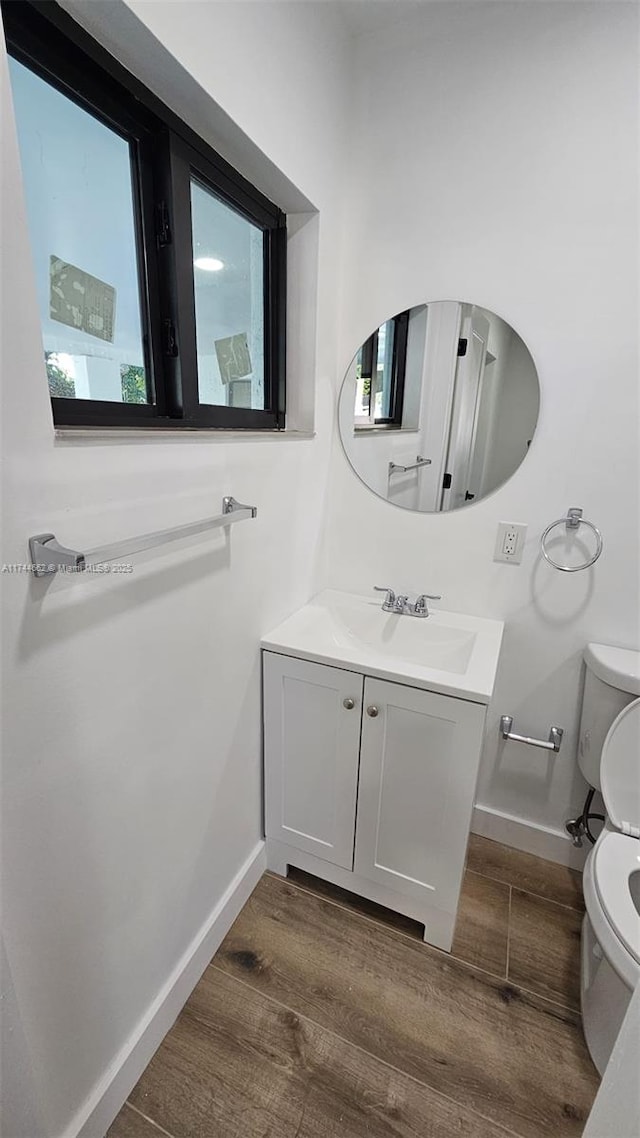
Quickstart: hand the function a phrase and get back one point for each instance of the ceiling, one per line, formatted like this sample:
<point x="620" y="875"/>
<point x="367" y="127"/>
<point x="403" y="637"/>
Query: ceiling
<point x="363" y="16"/>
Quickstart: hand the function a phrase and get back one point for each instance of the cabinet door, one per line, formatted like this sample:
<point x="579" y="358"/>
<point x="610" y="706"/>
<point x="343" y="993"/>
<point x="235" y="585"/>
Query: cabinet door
<point x="418" y="769"/>
<point x="312" y="719"/>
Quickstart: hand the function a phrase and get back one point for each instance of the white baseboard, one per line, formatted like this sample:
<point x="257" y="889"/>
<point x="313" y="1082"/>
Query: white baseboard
<point x="107" y="1097"/>
<point x="531" y="837"/>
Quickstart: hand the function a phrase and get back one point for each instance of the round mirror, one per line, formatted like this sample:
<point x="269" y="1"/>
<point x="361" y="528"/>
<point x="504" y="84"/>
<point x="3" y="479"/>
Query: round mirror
<point x="439" y="406"/>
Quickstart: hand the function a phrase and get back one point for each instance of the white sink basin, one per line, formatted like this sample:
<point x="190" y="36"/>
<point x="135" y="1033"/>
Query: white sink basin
<point x="446" y="651"/>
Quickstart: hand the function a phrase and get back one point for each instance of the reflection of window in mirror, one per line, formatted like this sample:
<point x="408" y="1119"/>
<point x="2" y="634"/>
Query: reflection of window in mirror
<point x="380" y="376"/>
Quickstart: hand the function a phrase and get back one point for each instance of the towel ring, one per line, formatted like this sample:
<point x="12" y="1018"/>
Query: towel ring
<point x="573" y="520"/>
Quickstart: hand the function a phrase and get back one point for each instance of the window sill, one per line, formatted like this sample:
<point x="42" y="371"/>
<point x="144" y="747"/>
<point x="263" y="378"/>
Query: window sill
<point x="183" y="434"/>
<point x="383" y="429"/>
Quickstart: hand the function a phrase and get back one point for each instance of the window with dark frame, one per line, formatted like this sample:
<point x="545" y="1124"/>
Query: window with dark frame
<point x="381" y="366"/>
<point x="160" y="270"/>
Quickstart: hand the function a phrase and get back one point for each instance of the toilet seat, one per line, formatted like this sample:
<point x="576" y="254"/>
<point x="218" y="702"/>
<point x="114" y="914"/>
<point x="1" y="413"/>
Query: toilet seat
<point x="616" y="857"/>
<point x="617" y="854"/>
<point x="610" y="964"/>
<point x="620" y="771"/>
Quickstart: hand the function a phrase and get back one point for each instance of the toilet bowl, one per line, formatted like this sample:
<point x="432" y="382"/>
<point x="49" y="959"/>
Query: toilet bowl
<point x="611" y="929"/>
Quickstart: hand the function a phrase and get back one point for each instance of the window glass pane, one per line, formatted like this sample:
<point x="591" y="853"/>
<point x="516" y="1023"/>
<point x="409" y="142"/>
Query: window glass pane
<point x="228" y="255"/>
<point x="363" y="388"/>
<point x="77" y="179"/>
<point x="384" y="370"/>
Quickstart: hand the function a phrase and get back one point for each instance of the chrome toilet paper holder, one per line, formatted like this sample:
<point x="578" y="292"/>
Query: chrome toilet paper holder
<point x="553" y="743"/>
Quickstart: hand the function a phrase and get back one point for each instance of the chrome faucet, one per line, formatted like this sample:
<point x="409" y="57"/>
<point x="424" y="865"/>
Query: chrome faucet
<point x="402" y="605"/>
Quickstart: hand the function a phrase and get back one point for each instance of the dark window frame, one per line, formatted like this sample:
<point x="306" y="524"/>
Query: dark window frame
<point x="369" y="349"/>
<point x="165" y="154"/>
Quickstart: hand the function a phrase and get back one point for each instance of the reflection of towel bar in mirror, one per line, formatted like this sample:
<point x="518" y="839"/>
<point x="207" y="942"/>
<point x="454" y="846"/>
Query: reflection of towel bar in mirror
<point x="395" y="468"/>
<point x="47" y="555"/>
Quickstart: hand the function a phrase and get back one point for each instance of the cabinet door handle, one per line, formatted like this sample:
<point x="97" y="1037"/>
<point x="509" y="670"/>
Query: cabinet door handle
<point x="349" y="703"/>
<point x="372" y="710"/>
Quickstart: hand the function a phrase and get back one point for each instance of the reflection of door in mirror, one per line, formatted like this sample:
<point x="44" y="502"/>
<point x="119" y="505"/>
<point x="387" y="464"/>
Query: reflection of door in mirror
<point x="508" y="409"/>
<point x="479" y="408"/>
<point x="471" y="355"/>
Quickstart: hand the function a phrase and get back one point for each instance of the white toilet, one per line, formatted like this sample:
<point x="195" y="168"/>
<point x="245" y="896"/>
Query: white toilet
<point x="612" y="680"/>
<point x="611" y="928"/>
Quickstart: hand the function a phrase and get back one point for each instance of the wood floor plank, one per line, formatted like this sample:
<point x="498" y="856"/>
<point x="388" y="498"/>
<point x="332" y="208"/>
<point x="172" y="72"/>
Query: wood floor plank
<point x="525" y="871"/>
<point x="238" y="1065"/>
<point x="355" y="903"/>
<point x="225" y="1079"/>
<point x="510" y="1056"/>
<point x="130" y="1124"/>
<point x="482" y="928"/>
<point x="482" y="925"/>
<point x="544" y="948"/>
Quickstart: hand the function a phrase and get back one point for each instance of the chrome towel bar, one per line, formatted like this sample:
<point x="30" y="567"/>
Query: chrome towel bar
<point x="395" y="468"/>
<point x="47" y="555"/>
<point x="552" y="744"/>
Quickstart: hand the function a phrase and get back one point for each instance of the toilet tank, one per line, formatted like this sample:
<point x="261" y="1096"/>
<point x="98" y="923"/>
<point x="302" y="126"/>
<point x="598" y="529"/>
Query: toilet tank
<point x="612" y="680"/>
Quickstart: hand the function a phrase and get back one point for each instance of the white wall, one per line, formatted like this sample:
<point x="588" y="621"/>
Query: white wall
<point x="131" y="757"/>
<point x="493" y="382"/>
<point x="494" y="159"/>
<point x="516" y="402"/>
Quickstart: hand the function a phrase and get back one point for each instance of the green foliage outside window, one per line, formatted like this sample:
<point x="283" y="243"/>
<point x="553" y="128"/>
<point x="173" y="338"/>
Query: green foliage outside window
<point x="134" y="385"/>
<point x="61" y="385"/>
<point x="366" y="384"/>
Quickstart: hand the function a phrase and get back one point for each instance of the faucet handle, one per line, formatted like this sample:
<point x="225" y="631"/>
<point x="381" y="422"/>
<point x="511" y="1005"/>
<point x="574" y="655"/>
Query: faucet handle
<point x="390" y="599"/>
<point x="420" y="606"/>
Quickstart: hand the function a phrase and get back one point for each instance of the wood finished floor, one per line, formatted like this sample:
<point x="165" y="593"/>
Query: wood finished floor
<point x="325" y="1016"/>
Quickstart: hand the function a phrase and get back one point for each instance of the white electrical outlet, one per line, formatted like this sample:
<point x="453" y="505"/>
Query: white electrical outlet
<point x="510" y="542"/>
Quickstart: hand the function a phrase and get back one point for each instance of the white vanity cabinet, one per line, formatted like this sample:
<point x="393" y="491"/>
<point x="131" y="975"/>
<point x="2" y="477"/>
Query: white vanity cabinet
<point x="370" y="784"/>
<point x="311" y="746"/>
